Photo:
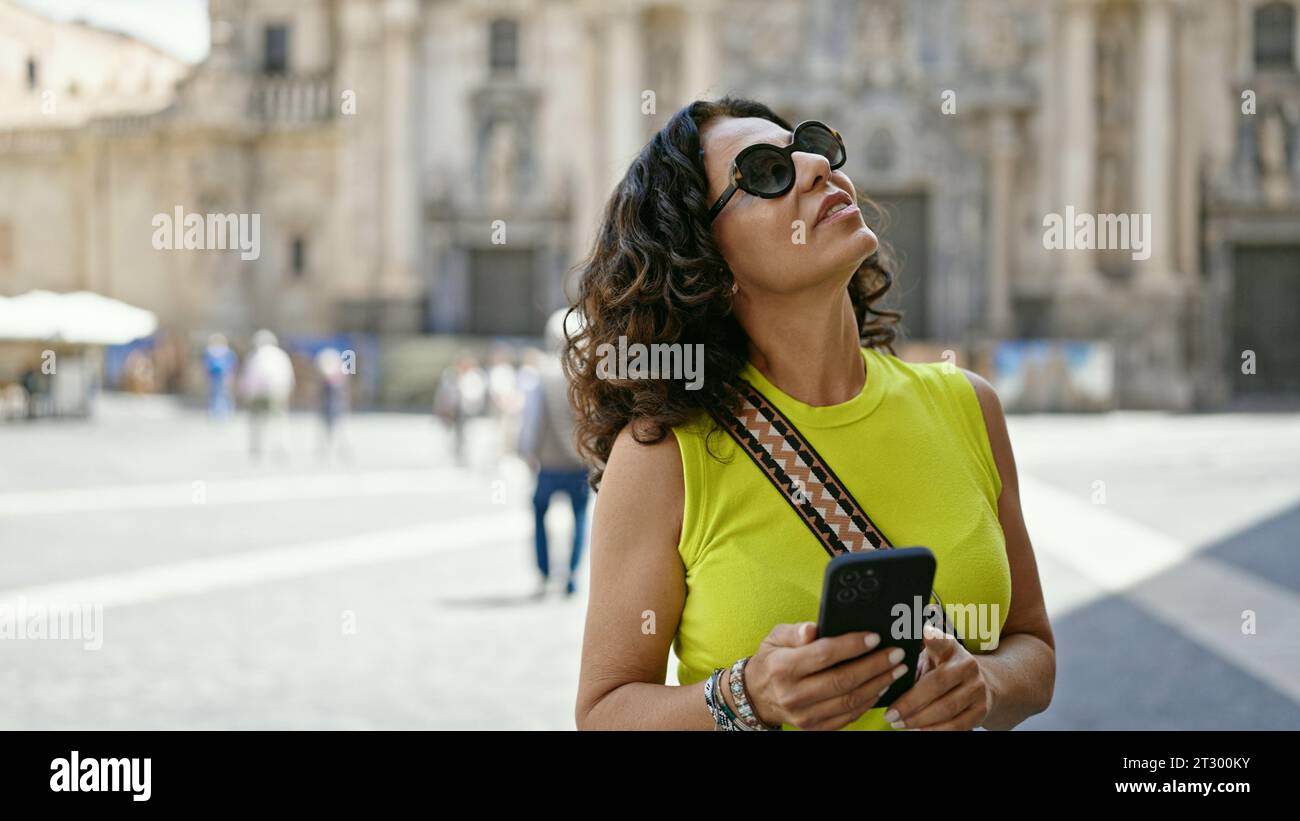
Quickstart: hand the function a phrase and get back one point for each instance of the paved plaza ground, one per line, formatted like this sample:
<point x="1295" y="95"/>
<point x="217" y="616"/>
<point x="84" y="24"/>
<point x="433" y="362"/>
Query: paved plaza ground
<point x="393" y="589"/>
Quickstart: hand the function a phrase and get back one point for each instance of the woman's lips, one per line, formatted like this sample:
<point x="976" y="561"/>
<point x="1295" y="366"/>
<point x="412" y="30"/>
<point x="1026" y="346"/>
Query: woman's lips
<point x="844" y="213"/>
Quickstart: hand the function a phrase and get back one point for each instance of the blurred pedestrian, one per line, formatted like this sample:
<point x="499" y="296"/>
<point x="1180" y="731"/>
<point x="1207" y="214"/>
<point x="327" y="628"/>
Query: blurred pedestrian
<point x="13" y="401"/>
<point x="501" y="382"/>
<point x="220" y="363"/>
<point x="505" y="401"/>
<point x="333" y="400"/>
<point x="530" y="362"/>
<point x="36" y="384"/>
<point x="266" y="385"/>
<point x="461" y="395"/>
<point x="546" y="443"/>
<point x="138" y="372"/>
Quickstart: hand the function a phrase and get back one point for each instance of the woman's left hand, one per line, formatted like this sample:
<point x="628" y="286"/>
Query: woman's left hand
<point x="951" y="692"/>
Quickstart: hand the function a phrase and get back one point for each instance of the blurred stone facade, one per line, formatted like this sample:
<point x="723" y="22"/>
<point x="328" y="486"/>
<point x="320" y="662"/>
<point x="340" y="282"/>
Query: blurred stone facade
<point x="382" y="140"/>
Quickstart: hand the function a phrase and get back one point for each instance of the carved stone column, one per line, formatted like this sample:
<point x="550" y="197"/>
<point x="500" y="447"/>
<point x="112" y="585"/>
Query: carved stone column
<point x="623" y="86"/>
<point x="400" y="202"/>
<point x="1003" y="152"/>
<point x="1155" y="320"/>
<point x="1154" y="149"/>
<point x="701" y="53"/>
<point x="1079" y="148"/>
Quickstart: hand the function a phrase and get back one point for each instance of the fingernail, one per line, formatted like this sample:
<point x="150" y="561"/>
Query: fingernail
<point x="872" y="640"/>
<point x="896" y="655"/>
<point x="899" y="671"/>
<point x="891" y="716"/>
<point x="898" y="725"/>
<point x="882" y="692"/>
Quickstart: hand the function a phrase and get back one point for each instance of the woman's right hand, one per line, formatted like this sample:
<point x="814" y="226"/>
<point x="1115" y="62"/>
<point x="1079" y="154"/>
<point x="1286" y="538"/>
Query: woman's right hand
<point x="790" y="679"/>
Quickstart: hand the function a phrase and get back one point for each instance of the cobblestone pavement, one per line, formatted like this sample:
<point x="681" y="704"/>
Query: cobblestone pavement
<point x="394" y="590"/>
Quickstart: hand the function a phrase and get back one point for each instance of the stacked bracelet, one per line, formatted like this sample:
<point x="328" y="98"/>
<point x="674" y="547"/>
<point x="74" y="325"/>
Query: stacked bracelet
<point x="747" y="719"/>
<point x="723" y="718"/>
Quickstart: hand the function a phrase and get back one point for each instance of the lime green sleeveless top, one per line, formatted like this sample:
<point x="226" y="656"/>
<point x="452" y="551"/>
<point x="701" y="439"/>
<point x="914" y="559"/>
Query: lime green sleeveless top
<point x="912" y="449"/>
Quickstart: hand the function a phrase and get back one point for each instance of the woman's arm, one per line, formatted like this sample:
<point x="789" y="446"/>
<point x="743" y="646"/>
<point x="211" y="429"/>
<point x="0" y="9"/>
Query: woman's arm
<point x="1021" y="672"/>
<point x="638" y="587"/>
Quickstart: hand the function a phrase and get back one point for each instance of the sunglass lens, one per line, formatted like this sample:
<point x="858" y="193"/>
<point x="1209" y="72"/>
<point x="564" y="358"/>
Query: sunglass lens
<point x="767" y="172"/>
<point x="818" y="139"/>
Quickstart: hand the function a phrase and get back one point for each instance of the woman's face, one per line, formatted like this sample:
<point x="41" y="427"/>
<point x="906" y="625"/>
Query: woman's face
<point x="788" y="243"/>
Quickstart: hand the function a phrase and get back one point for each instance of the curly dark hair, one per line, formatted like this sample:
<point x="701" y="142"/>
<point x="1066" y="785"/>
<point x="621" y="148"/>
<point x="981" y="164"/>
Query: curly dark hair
<point x="655" y="275"/>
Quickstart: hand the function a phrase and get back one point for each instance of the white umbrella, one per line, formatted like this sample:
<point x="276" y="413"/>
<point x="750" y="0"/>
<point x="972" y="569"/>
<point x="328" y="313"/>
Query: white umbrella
<point x="78" y="317"/>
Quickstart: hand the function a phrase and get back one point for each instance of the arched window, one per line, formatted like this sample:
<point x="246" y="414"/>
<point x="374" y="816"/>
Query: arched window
<point x="1275" y="35"/>
<point x="503" y="46"/>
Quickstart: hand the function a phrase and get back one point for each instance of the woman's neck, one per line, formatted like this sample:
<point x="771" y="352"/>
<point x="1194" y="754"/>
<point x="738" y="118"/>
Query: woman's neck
<point x="806" y="346"/>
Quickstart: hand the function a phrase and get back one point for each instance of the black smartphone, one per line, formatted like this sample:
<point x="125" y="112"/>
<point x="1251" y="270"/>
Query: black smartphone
<point x="886" y="592"/>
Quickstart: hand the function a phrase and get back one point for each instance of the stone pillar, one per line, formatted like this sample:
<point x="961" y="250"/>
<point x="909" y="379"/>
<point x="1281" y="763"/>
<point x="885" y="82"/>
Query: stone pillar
<point x="399" y="199"/>
<point x="590" y="182"/>
<point x="1079" y="148"/>
<point x="1153" y="321"/>
<point x="701" y="51"/>
<point x="1153" y="146"/>
<point x="623" y="87"/>
<point x="1003" y="151"/>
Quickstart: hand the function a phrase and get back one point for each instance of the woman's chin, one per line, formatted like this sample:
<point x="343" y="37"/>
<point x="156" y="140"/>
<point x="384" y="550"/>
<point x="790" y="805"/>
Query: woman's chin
<point x="855" y="248"/>
<point x="868" y="239"/>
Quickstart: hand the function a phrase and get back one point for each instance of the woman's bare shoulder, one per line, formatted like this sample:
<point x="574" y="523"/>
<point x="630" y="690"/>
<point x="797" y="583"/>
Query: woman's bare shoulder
<point x="643" y="480"/>
<point x="995" y="425"/>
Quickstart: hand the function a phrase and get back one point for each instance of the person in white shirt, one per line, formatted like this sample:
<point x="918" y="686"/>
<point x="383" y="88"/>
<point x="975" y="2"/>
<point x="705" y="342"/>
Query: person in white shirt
<point x="266" y="385"/>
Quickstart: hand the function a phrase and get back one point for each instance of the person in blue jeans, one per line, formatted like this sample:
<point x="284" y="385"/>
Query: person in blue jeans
<point x="220" y="362"/>
<point x="546" y="443"/>
<point x="574" y="484"/>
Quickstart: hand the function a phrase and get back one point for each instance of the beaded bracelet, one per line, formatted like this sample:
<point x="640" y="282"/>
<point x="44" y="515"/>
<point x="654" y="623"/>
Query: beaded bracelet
<point x="747" y="719"/>
<point x="720" y="698"/>
<point x="723" y="718"/>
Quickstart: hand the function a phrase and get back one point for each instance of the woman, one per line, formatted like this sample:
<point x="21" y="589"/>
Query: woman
<point x="770" y="266"/>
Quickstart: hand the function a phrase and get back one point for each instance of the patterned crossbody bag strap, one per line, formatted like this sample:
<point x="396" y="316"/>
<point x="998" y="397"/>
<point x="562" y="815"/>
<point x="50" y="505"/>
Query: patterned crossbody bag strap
<point x="811" y="488"/>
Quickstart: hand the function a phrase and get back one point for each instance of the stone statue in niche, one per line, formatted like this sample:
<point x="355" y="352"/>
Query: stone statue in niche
<point x="502" y="155"/>
<point x="1274" y="178"/>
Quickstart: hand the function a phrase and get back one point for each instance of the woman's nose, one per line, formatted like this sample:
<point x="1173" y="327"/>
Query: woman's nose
<point x="811" y="170"/>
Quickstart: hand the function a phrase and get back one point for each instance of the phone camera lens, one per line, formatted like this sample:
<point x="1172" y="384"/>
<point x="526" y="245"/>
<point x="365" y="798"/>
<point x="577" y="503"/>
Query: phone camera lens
<point x="846" y="595"/>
